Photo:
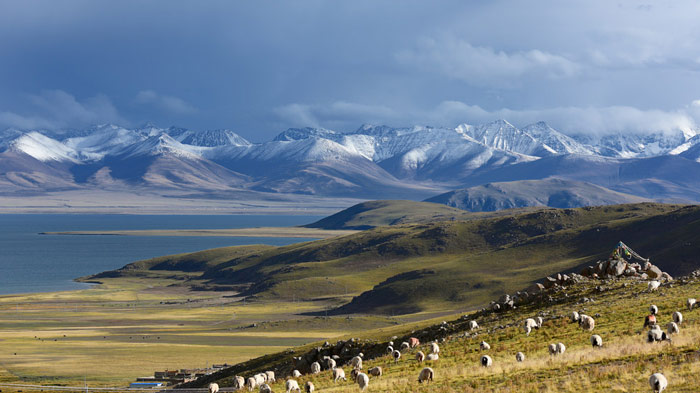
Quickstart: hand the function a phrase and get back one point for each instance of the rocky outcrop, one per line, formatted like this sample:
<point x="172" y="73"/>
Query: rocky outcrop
<point x="613" y="268"/>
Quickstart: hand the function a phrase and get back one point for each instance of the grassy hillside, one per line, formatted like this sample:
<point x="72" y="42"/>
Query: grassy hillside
<point x="372" y="214"/>
<point x="449" y="265"/>
<point x="623" y="364"/>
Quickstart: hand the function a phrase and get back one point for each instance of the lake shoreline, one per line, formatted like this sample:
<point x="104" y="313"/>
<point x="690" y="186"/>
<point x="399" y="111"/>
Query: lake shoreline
<point x="278" y="232"/>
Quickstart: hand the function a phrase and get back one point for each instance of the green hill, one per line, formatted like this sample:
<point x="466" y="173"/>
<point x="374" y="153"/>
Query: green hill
<point x="447" y="265"/>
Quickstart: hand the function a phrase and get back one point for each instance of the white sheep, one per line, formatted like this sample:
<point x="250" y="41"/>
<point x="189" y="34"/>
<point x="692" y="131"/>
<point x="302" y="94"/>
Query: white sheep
<point x="561" y="348"/>
<point x="315" y="368"/>
<point x="530" y="324"/>
<point x="672" y="328"/>
<point x="330" y="364"/>
<point x="213" y="388"/>
<point x="270" y="376"/>
<point x="658" y="382"/>
<point x="520" y="356"/>
<point x="397" y="355"/>
<point x="691" y="303"/>
<point x="654" y="285"/>
<point x="362" y="381"/>
<point x="427" y="374"/>
<point x="291" y="385"/>
<point x="575" y="317"/>
<point x="338" y="374"/>
<point x="309" y="387"/>
<point x="596" y="341"/>
<point x="432" y="357"/>
<point x="434" y="347"/>
<point x="404" y="346"/>
<point x="486" y="361"/>
<point x="656" y="334"/>
<point x="265" y="388"/>
<point x="586" y="322"/>
<point x="375" y="371"/>
<point x="356" y="362"/>
<point x="389" y="349"/>
<point x="260" y="378"/>
<point x="473" y="325"/>
<point x="484" y="346"/>
<point x="238" y="382"/>
<point x="539" y="321"/>
<point x="296" y="374"/>
<point x="653" y="309"/>
<point x="252" y="383"/>
<point x="420" y="356"/>
<point x="678" y="317"/>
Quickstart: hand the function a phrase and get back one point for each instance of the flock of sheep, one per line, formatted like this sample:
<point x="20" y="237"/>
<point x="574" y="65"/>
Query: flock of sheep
<point x="657" y="381"/>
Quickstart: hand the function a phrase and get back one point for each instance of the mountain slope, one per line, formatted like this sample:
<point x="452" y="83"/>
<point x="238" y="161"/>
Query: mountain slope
<point x="524" y="193"/>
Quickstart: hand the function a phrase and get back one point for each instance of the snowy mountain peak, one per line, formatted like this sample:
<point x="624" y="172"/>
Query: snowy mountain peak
<point x="43" y="148"/>
<point x="295" y="134"/>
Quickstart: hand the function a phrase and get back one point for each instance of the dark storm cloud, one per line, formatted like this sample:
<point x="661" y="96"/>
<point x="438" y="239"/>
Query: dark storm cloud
<point x="259" y="67"/>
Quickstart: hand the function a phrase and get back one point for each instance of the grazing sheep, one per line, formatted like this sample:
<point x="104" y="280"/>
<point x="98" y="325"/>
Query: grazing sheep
<point x="353" y="374"/>
<point x="309" y="387"/>
<point x="420" y="356"/>
<point x="413" y="342"/>
<point x="356" y="362"/>
<point x="396" y="355"/>
<point x="486" y="361"/>
<point x="375" y="371"/>
<point x="213" y="388"/>
<point x="427" y="374"/>
<point x="315" y="368"/>
<point x="520" y="356"/>
<point x="561" y="348"/>
<point x="432" y="357"/>
<point x="330" y="364"/>
<point x="672" y="328"/>
<point x="338" y="374"/>
<point x="654" y="285"/>
<point x="575" y="317"/>
<point x="484" y="346"/>
<point x="296" y="374"/>
<point x="362" y="381"/>
<point x="656" y="334"/>
<point x="678" y="317"/>
<point x="434" y="347"/>
<point x="691" y="303"/>
<point x="649" y="320"/>
<point x="291" y="385"/>
<point x="587" y="323"/>
<point x="260" y="378"/>
<point x="539" y="321"/>
<point x="529" y="325"/>
<point x="270" y="376"/>
<point x="404" y="346"/>
<point x="473" y="325"/>
<point x="252" y="384"/>
<point x="552" y="349"/>
<point x="389" y="349"/>
<point x="658" y="382"/>
<point x="265" y="388"/>
<point x="596" y="341"/>
<point x="238" y="382"/>
<point x="653" y="309"/>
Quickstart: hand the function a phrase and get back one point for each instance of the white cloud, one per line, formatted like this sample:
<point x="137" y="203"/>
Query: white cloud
<point x="336" y="114"/>
<point x="480" y="65"/>
<point x="55" y="109"/>
<point x="164" y="102"/>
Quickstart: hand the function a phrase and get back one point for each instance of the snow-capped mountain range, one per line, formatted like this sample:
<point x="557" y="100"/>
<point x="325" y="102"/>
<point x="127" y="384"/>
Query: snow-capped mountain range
<point x="371" y="162"/>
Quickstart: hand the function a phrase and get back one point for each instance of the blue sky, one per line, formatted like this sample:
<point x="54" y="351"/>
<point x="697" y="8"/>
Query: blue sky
<point x="259" y="67"/>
